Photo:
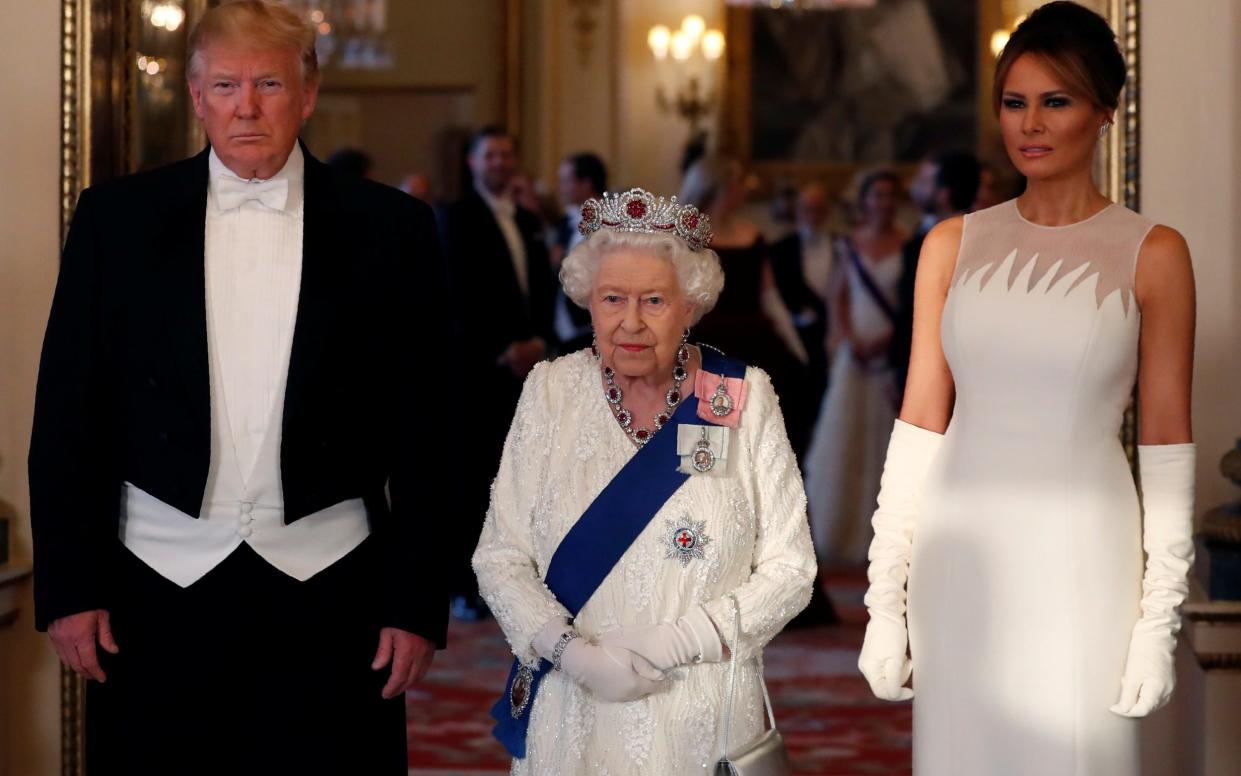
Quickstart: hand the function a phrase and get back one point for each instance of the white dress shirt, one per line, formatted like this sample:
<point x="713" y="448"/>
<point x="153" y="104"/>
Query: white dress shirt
<point x="816" y="261"/>
<point x="505" y="212"/>
<point x="253" y="269"/>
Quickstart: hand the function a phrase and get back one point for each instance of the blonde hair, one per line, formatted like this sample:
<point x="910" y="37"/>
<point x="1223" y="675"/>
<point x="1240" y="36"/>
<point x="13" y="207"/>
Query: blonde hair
<point x="260" y="23"/>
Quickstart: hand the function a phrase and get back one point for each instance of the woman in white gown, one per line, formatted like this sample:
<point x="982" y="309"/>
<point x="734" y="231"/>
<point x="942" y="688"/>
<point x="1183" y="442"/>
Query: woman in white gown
<point x="636" y="683"/>
<point x="1034" y="636"/>
<point x="846" y="451"/>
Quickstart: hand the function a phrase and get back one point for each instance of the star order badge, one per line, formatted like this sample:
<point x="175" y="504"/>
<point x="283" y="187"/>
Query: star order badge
<point x="686" y="538"/>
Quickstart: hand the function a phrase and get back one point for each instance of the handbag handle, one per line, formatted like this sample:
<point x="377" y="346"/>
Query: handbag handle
<point x="732" y="681"/>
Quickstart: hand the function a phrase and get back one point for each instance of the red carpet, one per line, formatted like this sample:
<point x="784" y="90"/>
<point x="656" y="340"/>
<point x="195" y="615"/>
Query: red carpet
<point x="830" y="721"/>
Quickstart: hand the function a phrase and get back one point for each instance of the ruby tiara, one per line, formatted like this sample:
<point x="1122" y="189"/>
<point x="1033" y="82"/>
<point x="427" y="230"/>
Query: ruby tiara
<point x="638" y="210"/>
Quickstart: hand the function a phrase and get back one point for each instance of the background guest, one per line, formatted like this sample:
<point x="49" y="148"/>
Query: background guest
<point x="749" y="322"/>
<point x="945" y="186"/>
<point x="802" y="265"/>
<point x="850" y="436"/>
<point x="503" y="291"/>
<point x="351" y="163"/>
<point x="581" y="176"/>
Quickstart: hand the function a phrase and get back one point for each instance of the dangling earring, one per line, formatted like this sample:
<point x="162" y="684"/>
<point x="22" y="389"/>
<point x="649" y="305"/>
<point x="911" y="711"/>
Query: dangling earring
<point x="683" y="351"/>
<point x="1103" y="129"/>
<point x="594" y="344"/>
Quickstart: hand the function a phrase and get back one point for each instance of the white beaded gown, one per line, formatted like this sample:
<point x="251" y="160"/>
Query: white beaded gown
<point x="1027" y="557"/>
<point x="845" y="459"/>
<point x="563" y="448"/>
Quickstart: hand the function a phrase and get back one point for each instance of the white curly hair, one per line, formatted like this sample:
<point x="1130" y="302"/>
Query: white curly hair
<point x="698" y="272"/>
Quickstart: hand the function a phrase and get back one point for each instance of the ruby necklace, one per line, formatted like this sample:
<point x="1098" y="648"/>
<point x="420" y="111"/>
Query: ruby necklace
<point x="641" y="435"/>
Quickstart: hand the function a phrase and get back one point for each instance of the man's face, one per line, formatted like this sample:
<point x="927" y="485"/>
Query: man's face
<point x="812" y="208"/>
<point x="493" y="163"/>
<point x="573" y="190"/>
<point x="252" y="103"/>
<point x="923" y="189"/>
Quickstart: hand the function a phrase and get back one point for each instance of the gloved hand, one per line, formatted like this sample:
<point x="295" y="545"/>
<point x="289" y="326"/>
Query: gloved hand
<point x="883" y="660"/>
<point x="1167" y="477"/>
<point x="608" y="672"/>
<point x="691" y="639"/>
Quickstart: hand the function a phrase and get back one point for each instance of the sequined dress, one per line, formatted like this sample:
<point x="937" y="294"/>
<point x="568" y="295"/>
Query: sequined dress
<point x="563" y="448"/>
<point x="1027" y="551"/>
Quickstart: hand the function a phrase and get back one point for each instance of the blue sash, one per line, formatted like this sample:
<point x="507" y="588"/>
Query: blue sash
<point x="594" y="545"/>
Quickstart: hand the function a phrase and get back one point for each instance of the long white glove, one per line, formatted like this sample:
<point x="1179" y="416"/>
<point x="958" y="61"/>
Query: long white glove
<point x="691" y="639"/>
<point x="608" y="672"/>
<point x="1167" y="476"/>
<point x="883" y="660"/>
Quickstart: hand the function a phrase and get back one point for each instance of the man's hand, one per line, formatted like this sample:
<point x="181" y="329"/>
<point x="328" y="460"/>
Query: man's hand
<point x="410" y="656"/>
<point x="74" y="638"/>
<point x="521" y="356"/>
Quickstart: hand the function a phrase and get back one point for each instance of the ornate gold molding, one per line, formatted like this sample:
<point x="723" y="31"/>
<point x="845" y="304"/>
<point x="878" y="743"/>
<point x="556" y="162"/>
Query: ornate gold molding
<point x="75" y="113"/>
<point x="585" y="25"/>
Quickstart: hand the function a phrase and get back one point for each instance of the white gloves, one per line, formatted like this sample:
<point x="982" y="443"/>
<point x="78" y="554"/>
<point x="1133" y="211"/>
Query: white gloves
<point x="1167" y="477"/>
<point x="608" y="672"/>
<point x="883" y="660"/>
<point x="691" y="639"/>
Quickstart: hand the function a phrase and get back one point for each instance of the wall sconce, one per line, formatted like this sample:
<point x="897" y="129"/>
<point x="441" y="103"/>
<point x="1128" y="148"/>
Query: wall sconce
<point x="999" y="38"/>
<point x="686" y="57"/>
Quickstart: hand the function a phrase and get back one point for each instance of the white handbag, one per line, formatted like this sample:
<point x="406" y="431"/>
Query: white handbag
<point x="766" y="754"/>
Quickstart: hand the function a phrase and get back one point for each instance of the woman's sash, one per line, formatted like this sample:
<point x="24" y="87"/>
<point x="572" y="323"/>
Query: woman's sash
<point x="594" y="545"/>
<point x="869" y="283"/>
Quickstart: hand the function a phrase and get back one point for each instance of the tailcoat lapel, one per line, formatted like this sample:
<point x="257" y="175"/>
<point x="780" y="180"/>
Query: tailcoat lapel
<point x="323" y="254"/>
<point x="183" y="290"/>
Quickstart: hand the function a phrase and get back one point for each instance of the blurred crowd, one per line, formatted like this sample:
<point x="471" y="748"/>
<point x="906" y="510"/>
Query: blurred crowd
<point x="819" y="290"/>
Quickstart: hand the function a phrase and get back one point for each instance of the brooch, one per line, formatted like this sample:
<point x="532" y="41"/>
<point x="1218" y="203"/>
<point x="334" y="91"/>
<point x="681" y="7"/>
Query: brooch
<point x="519" y="695"/>
<point x="686" y="538"/>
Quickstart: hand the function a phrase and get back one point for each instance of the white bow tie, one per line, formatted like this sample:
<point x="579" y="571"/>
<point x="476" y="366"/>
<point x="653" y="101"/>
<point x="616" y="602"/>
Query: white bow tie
<point x="232" y="193"/>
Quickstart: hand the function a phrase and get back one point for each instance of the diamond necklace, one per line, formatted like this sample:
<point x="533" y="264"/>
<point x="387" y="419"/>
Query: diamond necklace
<point x="672" y="398"/>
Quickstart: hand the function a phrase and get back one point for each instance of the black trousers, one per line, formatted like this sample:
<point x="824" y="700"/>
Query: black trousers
<point x="247" y="671"/>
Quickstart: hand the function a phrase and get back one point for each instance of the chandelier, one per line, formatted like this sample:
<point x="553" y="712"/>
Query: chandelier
<point x="803" y="5"/>
<point x="685" y="58"/>
<point x="351" y="34"/>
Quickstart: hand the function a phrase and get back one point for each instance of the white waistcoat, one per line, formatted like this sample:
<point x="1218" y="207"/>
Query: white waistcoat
<point x="253" y="263"/>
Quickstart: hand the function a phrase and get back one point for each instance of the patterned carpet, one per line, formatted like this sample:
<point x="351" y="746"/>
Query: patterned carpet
<point x="830" y="721"/>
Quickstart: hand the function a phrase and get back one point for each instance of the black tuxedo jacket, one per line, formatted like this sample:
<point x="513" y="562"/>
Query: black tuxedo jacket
<point x="491" y="310"/>
<point x="790" y="276"/>
<point x="123" y="391"/>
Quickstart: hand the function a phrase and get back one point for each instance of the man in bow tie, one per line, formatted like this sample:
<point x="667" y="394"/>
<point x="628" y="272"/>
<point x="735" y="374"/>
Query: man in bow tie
<point x="226" y="498"/>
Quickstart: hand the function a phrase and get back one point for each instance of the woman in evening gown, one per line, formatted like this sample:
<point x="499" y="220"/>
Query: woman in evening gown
<point x="1036" y="635"/>
<point x="749" y="322"/>
<point x="846" y="451"/>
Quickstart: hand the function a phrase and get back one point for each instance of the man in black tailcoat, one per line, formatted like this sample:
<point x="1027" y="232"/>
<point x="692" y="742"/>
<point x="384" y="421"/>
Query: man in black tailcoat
<point x="503" y="295"/>
<point x="231" y="532"/>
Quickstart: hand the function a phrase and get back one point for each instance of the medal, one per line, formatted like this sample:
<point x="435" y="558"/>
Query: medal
<point x="703" y="459"/>
<point x="686" y="538"/>
<point x="721" y="403"/>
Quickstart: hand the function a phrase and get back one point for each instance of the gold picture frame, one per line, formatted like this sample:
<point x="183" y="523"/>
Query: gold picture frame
<point x="1118" y="158"/>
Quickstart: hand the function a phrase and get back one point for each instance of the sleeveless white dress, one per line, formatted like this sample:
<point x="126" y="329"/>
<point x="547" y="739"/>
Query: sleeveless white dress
<point x="1027" y="555"/>
<point x="845" y="459"/>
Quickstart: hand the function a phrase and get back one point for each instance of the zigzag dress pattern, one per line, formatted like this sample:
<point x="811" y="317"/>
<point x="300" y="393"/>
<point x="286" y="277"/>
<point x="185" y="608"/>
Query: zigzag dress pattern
<point x="1027" y="562"/>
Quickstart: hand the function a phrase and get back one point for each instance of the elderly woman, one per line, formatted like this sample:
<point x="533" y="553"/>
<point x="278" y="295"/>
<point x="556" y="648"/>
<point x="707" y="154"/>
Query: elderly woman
<point x="647" y="495"/>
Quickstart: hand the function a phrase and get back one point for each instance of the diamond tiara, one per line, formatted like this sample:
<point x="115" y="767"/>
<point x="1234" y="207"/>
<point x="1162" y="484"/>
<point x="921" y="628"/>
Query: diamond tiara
<point x="638" y="210"/>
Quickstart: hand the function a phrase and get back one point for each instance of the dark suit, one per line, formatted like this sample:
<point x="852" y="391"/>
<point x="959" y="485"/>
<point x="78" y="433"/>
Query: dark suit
<point x="809" y="315"/>
<point x="490" y="312"/>
<point x="903" y="326"/>
<point x="124" y="395"/>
